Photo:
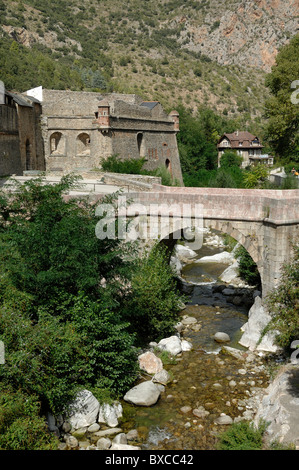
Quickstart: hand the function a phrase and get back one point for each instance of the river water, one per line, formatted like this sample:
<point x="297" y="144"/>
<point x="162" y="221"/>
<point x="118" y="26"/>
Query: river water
<point x="202" y="376"/>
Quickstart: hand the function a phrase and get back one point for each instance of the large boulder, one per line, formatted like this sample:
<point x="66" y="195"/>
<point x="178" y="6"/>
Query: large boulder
<point x="280" y="407"/>
<point x="258" y="319"/>
<point x="144" y="394"/>
<point x="230" y="273"/>
<point x="84" y="410"/>
<point x="224" y="257"/>
<point x="183" y="251"/>
<point x="172" y="344"/>
<point x="150" y="363"/>
<point x="109" y="414"/>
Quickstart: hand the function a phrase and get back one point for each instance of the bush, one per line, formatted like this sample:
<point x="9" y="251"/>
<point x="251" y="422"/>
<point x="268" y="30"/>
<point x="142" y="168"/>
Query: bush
<point x="243" y="436"/>
<point x="21" y="427"/>
<point x="131" y="166"/>
<point x="283" y="304"/>
<point x="154" y="302"/>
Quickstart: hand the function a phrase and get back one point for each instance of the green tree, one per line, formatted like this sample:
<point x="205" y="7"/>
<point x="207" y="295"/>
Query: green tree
<point x="154" y="302"/>
<point x="282" y="109"/>
<point x="255" y="176"/>
<point x="229" y="159"/>
<point x="283" y="303"/>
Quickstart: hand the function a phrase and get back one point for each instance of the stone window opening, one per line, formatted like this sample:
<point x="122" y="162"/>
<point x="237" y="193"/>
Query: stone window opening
<point x="57" y="144"/>
<point x="83" y="144"/>
<point x="141" y="145"/>
<point x="28" y="164"/>
<point x="168" y="165"/>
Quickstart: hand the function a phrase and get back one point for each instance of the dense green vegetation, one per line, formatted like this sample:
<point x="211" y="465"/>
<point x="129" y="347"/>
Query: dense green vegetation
<point x="68" y="315"/>
<point x="243" y="436"/>
<point x="282" y="109"/>
<point x="283" y="304"/>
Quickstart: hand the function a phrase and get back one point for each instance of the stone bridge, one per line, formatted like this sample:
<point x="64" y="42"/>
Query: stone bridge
<point x="264" y="222"/>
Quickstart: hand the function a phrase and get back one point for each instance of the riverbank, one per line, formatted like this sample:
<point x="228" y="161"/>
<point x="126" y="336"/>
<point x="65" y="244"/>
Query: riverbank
<point x="209" y="385"/>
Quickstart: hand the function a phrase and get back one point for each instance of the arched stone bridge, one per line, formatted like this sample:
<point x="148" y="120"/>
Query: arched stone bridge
<point x="264" y="222"/>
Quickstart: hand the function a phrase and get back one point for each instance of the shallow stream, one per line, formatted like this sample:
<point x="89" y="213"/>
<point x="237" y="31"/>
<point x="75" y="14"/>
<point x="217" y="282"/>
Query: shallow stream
<point x="202" y="376"/>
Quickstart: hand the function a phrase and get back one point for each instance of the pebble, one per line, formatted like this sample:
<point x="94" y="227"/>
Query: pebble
<point x="223" y="419"/>
<point x="186" y="409"/>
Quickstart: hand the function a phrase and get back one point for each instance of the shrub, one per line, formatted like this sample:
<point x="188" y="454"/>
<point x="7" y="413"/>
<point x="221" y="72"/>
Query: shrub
<point x="130" y="166"/>
<point x="283" y="303"/>
<point x="21" y="427"/>
<point x="242" y="436"/>
<point x="154" y="302"/>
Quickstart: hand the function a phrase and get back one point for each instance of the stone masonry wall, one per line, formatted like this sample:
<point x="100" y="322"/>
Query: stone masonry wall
<point x="10" y="159"/>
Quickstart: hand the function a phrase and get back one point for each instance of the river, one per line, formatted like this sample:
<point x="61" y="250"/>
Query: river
<point x="202" y="377"/>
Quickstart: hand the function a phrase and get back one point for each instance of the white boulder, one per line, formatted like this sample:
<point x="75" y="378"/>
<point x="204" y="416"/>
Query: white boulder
<point x="258" y="319"/>
<point x="109" y="414"/>
<point x="84" y="410"/>
<point x="144" y="394"/>
<point x="172" y="344"/>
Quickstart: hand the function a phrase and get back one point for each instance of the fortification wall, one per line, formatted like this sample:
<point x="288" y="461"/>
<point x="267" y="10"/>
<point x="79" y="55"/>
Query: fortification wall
<point x="10" y="159"/>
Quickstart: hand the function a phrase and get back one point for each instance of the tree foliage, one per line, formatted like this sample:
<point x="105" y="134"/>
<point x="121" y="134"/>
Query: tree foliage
<point x="282" y="109"/>
<point x="283" y="303"/>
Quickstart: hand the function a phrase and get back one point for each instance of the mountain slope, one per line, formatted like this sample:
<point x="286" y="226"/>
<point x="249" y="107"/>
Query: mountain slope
<point x="194" y="52"/>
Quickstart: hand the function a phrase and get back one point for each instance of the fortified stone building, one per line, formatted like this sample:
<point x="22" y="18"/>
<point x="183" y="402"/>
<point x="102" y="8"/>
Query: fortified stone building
<point x="64" y="131"/>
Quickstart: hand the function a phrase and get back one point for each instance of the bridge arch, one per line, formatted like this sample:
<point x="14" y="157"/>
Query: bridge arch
<point x="249" y="242"/>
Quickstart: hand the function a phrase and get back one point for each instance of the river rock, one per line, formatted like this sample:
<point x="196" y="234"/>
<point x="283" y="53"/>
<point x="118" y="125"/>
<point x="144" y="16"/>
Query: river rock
<point x="120" y="438"/>
<point x="221" y="337"/>
<point x="183" y="251"/>
<point x="71" y="441"/>
<point x="124" y="447"/>
<point x="109" y="414"/>
<point x="223" y="419"/>
<point x="107" y="432"/>
<point x="279" y="407"/>
<point x="144" y="394"/>
<point x="186" y="409"/>
<point x="93" y="428"/>
<point x="186" y="320"/>
<point x="172" y="344"/>
<point x="258" y="319"/>
<point x="230" y="273"/>
<point x="224" y="257"/>
<point x="150" y="363"/>
<point x="162" y="377"/>
<point x="132" y="435"/>
<point x="186" y="345"/>
<point x="200" y="412"/>
<point x="176" y="264"/>
<point x="84" y="410"/>
<point x="104" y="443"/>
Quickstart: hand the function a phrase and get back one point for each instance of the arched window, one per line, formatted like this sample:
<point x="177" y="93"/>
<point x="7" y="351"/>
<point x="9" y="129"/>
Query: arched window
<point x="168" y="164"/>
<point x="141" y="145"/>
<point x="83" y="144"/>
<point x="57" y="144"/>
